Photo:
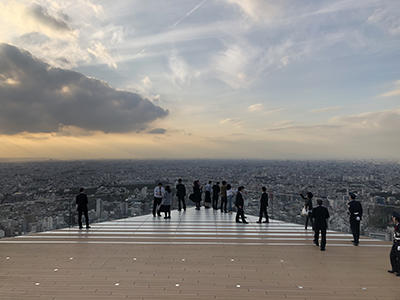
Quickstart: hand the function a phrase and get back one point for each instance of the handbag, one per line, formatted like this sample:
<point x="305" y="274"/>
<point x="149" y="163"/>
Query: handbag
<point x="304" y="212"/>
<point x="191" y="197"/>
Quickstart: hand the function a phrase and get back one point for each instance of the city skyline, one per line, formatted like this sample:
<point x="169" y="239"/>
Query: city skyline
<point x="200" y="79"/>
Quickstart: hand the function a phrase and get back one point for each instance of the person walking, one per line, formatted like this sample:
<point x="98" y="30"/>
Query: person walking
<point x="240" y="206"/>
<point x="197" y="194"/>
<point x="223" y="197"/>
<point x="263" y="206"/>
<point x="355" y="213"/>
<point x="81" y="206"/>
<point x="229" y="195"/>
<point x="158" y="195"/>
<point x="320" y="217"/>
<point x="215" y="190"/>
<point x="207" y="197"/>
<point x="395" y="251"/>
<point x="166" y="202"/>
<point x="180" y="194"/>
<point x="308" y="206"/>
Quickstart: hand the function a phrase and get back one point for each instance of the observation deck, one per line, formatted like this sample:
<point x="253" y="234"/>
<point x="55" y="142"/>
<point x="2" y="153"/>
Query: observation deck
<point x="194" y="255"/>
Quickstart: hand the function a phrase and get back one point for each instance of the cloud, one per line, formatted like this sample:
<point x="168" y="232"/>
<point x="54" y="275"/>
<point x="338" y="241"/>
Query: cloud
<point x="157" y="131"/>
<point x="255" y="107"/>
<point x="326" y="109"/>
<point x="38" y="98"/>
<point x="42" y="15"/>
<point x="232" y="122"/>
<point x="258" y="10"/>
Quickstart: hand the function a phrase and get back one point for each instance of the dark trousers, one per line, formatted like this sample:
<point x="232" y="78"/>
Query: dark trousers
<point x="395" y="257"/>
<point x="85" y="212"/>
<point x="355" y="229"/>
<point x="156" y="203"/>
<point x="167" y="211"/>
<point x="263" y="211"/>
<point x="215" y="201"/>
<point x="207" y="199"/>
<point x="240" y="214"/>
<point x="181" y="200"/>
<point x="224" y="201"/>
<point x="323" y="236"/>
<point x="309" y="219"/>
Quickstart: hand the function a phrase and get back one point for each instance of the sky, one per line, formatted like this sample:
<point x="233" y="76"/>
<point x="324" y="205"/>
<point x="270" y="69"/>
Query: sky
<point x="181" y="79"/>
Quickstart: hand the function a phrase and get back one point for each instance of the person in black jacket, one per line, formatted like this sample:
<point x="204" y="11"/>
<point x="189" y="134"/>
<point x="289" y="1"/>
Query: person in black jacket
<point x="82" y="202"/>
<point x="355" y="212"/>
<point x="320" y="216"/>
<point x="263" y="205"/>
<point x="215" y="190"/>
<point x="181" y="193"/>
<point x="197" y="194"/>
<point x="240" y="206"/>
<point x="309" y="207"/>
<point x="395" y="252"/>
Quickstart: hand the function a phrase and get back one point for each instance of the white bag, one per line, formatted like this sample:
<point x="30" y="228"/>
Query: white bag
<point x="304" y="212"/>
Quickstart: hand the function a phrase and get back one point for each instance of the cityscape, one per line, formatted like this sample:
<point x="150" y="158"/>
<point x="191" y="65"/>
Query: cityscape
<point x="40" y="196"/>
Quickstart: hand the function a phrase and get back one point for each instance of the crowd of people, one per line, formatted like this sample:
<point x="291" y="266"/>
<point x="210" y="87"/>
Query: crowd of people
<point x="223" y="197"/>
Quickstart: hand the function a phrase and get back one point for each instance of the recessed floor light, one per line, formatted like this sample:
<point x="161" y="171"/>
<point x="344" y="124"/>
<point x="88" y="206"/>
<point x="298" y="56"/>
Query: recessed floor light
<point x="232" y="259"/>
<point x="37" y="283"/>
<point x="282" y="260"/>
<point x="364" y="288"/>
<point x="7" y="257"/>
<point x="71" y="258"/>
<point x="55" y="270"/>
<point x="134" y="258"/>
<point x="183" y="259"/>
<point x="238" y="285"/>
<point x="300" y="287"/>
<point x="177" y="284"/>
<point x="117" y="284"/>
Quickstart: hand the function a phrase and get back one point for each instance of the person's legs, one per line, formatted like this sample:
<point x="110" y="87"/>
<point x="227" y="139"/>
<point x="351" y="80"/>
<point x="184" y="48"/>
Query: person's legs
<point x="179" y="203"/>
<point x="80" y="218"/>
<point x="260" y="215"/>
<point x="237" y="214"/>
<point x="306" y="225"/>
<point x="266" y="215"/>
<point x="183" y="203"/>
<point x="323" y="238"/>
<point x="316" y="236"/>
<point x="357" y="233"/>
<point x="154" y="206"/>
<point x="394" y="259"/>
<point x="242" y="216"/>
<point x="230" y="204"/>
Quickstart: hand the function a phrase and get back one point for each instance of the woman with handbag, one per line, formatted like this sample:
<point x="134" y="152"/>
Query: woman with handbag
<point x="308" y="207"/>
<point x="166" y="202"/>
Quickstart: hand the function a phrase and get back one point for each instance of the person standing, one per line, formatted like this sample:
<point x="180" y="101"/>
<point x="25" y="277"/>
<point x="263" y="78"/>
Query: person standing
<point x="81" y="205"/>
<point x="166" y="202"/>
<point x="223" y="197"/>
<point x="207" y="197"/>
<point x="180" y="194"/>
<point x="395" y="251"/>
<point x="240" y="206"/>
<point x="355" y="212"/>
<point x="229" y="195"/>
<point x="216" y="190"/>
<point x="158" y="195"/>
<point x="263" y="206"/>
<point x="197" y="194"/>
<point x="320" y="216"/>
<point x="308" y="205"/>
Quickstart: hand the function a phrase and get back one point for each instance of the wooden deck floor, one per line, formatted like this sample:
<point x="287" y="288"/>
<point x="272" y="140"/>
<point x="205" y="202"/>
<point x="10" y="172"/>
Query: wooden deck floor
<point x="195" y="255"/>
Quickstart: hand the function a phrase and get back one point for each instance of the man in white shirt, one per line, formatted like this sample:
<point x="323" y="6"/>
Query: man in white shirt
<point x="158" y="196"/>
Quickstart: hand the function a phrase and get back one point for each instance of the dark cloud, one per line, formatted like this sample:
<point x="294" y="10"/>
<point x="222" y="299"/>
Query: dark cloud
<point x="42" y="15"/>
<point x="35" y="97"/>
<point x="157" y="131"/>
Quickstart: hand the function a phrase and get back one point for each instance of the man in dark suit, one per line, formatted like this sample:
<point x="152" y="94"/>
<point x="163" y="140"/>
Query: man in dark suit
<point x="395" y="252"/>
<point x="82" y="202"/>
<point x="355" y="212"/>
<point x="240" y="206"/>
<point x="320" y="215"/>
<point x="263" y="205"/>
<point x="181" y="193"/>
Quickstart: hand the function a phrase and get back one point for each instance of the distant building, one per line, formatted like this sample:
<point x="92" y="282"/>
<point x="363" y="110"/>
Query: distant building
<point x="99" y="208"/>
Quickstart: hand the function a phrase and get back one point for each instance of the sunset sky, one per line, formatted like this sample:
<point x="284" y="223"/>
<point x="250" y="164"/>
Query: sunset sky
<point x="289" y="79"/>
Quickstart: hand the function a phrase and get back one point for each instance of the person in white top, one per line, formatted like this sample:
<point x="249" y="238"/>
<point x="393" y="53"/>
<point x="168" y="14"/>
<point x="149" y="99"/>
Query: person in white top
<point x="207" y="199"/>
<point x="159" y="192"/>
<point x="230" y="195"/>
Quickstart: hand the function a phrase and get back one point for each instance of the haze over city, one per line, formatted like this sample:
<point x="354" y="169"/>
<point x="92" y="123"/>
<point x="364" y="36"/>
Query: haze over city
<point x="260" y="79"/>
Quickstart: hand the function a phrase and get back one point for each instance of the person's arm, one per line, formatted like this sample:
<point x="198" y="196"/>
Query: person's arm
<point x="302" y="196"/>
<point x="327" y="213"/>
<point x="184" y="190"/>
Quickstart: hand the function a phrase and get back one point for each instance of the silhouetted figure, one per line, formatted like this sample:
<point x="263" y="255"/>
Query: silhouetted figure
<point x="158" y="195"/>
<point x="229" y="195"/>
<point x="395" y="251"/>
<point x="240" y="206"/>
<point x="207" y="197"/>
<point x="166" y="202"/>
<point x="309" y="207"/>
<point x="223" y="197"/>
<point x="320" y="216"/>
<point x="197" y="194"/>
<point x="355" y="212"/>
<point x="215" y="190"/>
<point x="180" y="194"/>
<point x="82" y="202"/>
<point x="263" y="205"/>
